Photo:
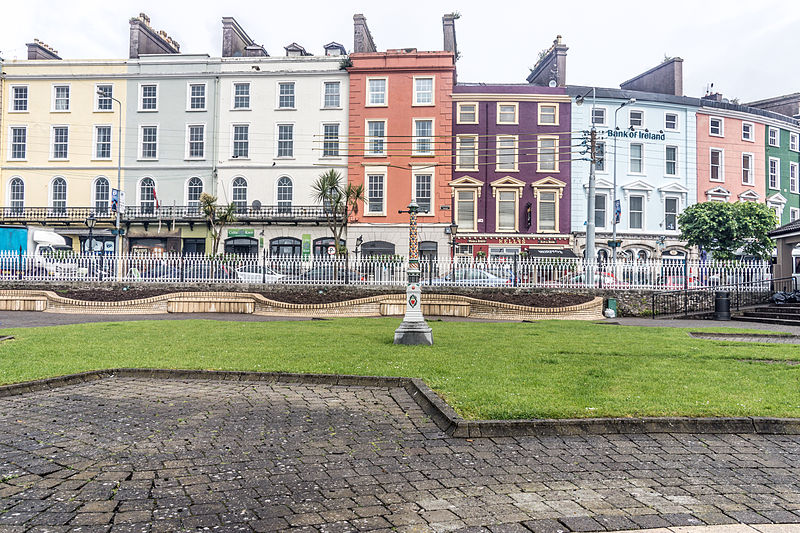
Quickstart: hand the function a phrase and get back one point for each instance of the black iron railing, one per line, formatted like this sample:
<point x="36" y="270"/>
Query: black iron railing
<point x="700" y="301"/>
<point x="53" y="214"/>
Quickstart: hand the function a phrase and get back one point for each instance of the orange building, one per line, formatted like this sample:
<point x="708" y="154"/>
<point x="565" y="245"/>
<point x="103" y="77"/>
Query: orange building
<point x="400" y="141"/>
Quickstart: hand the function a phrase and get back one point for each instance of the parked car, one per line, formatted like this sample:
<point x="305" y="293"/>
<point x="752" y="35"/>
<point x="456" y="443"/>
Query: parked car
<point x="476" y="277"/>
<point x="601" y="279"/>
<point x="258" y="274"/>
<point x="325" y="273"/>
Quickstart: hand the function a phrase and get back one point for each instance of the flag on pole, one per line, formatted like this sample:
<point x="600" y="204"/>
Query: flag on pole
<point x="155" y="198"/>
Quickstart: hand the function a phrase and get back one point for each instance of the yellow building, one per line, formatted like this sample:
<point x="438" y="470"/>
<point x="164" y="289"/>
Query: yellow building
<point x="59" y="141"/>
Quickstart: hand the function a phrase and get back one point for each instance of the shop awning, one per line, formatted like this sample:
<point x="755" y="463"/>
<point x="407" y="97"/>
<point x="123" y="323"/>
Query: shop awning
<point x="564" y="252"/>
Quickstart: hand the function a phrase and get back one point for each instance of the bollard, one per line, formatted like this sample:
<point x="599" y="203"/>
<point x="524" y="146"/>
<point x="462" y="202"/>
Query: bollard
<point x="722" y="305"/>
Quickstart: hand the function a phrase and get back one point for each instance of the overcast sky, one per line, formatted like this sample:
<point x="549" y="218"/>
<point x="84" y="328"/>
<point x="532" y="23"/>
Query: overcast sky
<point x="747" y="48"/>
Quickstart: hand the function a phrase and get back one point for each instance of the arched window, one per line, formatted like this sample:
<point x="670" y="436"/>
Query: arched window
<point x="194" y="190"/>
<point x="285" y="246"/>
<point x="16" y="195"/>
<point x="240" y="194"/>
<point x="101" y="195"/>
<point x="58" y="196"/>
<point x="147" y="195"/>
<point x="641" y="255"/>
<point x="284" y="194"/>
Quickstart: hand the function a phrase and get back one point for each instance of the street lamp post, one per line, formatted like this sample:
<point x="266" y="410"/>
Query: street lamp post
<point x="118" y="240"/>
<point x="453" y="227"/>
<point x="90" y="222"/>
<point x="413" y="330"/>
<point x="614" y="219"/>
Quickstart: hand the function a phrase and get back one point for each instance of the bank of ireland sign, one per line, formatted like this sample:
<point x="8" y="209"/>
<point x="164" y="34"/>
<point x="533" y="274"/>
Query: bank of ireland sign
<point x="636" y="135"/>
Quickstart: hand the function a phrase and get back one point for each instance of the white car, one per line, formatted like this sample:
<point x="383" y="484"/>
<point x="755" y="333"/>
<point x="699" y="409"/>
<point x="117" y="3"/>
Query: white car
<point x="258" y="274"/>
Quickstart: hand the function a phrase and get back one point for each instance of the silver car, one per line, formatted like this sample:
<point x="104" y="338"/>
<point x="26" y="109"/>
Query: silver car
<point x="258" y="274"/>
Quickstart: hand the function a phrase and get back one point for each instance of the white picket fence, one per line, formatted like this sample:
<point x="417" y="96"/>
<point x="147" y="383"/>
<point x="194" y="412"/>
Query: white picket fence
<point x="444" y="271"/>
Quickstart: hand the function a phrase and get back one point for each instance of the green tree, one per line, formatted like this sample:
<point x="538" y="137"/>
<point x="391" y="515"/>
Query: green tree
<point x="339" y="201"/>
<point x="722" y="228"/>
<point x="217" y="217"/>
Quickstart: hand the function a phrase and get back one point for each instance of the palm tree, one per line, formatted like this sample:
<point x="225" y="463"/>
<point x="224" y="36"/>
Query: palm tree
<point x="217" y="217"/>
<point x="339" y="202"/>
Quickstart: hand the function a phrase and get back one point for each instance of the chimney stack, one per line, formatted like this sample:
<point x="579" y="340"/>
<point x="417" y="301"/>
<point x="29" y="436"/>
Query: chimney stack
<point x="551" y="69"/>
<point x="449" y="29"/>
<point x="145" y="40"/>
<point x="666" y="78"/>
<point x="362" y="38"/>
<point x="38" y="50"/>
<point x="236" y="42"/>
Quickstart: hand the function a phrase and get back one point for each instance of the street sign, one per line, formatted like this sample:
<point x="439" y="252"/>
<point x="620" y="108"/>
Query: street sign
<point x="331" y="250"/>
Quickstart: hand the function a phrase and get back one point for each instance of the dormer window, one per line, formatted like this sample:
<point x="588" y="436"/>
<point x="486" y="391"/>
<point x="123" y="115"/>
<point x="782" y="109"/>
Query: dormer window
<point x="295" y="50"/>
<point x="334" y="49"/>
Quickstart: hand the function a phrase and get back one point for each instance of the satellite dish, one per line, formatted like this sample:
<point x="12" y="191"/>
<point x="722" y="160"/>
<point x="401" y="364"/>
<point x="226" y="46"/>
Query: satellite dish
<point x="256" y="205"/>
<point x="552" y="83"/>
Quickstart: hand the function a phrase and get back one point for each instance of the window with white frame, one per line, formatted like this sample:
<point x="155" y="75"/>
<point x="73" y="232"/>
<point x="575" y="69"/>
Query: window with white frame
<point x="794" y="214"/>
<point x="149" y="144"/>
<point x="747" y="170"/>
<point x="241" y="141"/>
<point x="147" y="195"/>
<point x="61" y="98"/>
<point x="58" y="195"/>
<point x="19" y="142"/>
<point x="636" y="158"/>
<point x="239" y="194"/>
<point x="376" y="131"/>
<point x="636" y="212"/>
<point x="103" y="96"/>
<point x="671" y="121"/>
<point x="793" y="173"/>
<point x="547" y="211"/>
<point x="671" y="160"/>
<point x="149" y="98"/>
<point x="715" y="127"/>
<point x="196" y="141"/>
<point x="774" y="172"/>
<point x="670" y="213"/>
<point x="715" y="165"/>
<point x="507" y="152"/>
<point x="507" y="113"/>
<point x="60" y="142"/>
<point x="467" y="113"/>
<point x="285" y="140"/>
<point x="16" y="195"/>
<point x="600" y="210"/>
<point x="465" y="209"/>
<point x="747" y="131"/>
<point x="636" y="118"/>
<point x="330" y="140"/>
<point x="241" y="96"/>
<point x="102" y="195"/>
<point x="600" y="156"/>
<point x="423" y="91"/>
<point x="194" y="188"/>
<point x="19" y="98"/>
<point x="286" y="95"/>
<point x="197" y="96"/>
<point x="773" y="137"/>
<point x="466" y="152"/>
<point x="376" y="91"/>
<point x="422" y="192"/>
<point x="598" y="116"/>
<point x="507" y="210"/>
<point x="548" y="114"/>
<point x="332" y="97"/>
<point x="423" y="137"/>
<point x="285" y="190"/>
<point x="375" y="193"/>
<point x="102" y="142"/>
<point x="548" y="154"/>
<point x="794" y="143"/>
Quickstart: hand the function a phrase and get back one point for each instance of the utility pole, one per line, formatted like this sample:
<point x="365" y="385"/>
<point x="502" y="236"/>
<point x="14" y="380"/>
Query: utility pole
<point x="591" y="254"/>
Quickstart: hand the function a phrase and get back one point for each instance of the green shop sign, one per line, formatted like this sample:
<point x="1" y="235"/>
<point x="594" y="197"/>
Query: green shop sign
<point x="306" y="249"/>
<point x="241" y="232"/>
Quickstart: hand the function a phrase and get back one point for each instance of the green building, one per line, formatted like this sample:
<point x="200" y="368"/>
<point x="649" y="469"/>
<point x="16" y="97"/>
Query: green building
<point x="782" y="158"/>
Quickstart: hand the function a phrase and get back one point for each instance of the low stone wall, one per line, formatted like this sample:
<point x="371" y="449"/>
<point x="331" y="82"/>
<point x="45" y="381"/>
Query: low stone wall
<point x="240" y="302"/>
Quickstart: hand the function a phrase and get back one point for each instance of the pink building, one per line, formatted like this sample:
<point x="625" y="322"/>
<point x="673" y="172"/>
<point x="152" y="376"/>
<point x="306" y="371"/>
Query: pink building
<point x="730" y="157"/>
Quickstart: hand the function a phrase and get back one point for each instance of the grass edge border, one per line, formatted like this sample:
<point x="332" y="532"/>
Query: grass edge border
<point x="440" y="412"/>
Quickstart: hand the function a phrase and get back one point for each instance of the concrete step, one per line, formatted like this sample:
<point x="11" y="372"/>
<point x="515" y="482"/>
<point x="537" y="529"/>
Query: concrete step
<point x="764" y="320"/>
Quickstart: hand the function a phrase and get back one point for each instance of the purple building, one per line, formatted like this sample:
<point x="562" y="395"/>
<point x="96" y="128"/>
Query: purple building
<point x="511" y="179"/>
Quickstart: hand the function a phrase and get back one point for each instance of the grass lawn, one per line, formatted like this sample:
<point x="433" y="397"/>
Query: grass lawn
<point x="548" y="369"/>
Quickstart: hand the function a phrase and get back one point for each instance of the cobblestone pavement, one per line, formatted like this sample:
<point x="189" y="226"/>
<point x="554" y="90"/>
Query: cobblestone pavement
<point x="131" y="454"/>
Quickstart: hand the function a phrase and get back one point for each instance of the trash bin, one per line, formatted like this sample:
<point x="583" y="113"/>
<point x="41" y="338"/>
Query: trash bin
<point x="611" y="303"/>
<point x="722" y="305"/>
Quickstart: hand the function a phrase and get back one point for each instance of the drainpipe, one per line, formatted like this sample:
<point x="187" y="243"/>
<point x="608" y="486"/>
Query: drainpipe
<point x="215" y="130"/>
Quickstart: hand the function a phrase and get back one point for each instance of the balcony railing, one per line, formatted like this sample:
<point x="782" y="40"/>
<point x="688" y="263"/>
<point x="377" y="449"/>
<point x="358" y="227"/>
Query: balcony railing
<point x="182" y="213"/>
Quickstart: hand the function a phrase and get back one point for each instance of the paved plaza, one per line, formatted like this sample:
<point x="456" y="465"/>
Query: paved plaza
<point x="137" y="454"/>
